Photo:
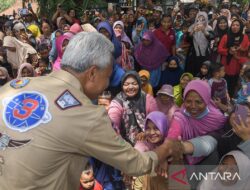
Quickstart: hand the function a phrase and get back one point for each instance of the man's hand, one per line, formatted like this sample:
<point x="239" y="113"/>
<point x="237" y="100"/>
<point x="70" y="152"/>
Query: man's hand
<point x="140" y="136"/>
<point x="242" y="130"/>
<point x="162" y="169"/>
<point x="170" y="150"/>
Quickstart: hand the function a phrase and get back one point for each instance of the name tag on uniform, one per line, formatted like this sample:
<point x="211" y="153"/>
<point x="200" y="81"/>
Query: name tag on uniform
<point x="67" y="100"/>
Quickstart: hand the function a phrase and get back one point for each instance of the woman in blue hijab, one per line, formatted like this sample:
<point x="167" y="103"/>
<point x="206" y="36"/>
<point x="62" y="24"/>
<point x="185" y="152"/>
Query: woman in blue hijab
<point x="106" y="29"/>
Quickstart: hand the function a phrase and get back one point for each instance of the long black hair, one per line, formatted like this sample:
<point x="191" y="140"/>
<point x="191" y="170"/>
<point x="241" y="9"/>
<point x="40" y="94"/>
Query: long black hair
<point x="234" y="39"/>
<point x="218" y="32"/>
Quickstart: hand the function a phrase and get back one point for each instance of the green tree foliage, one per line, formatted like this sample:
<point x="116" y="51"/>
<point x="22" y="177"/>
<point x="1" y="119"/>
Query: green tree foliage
<point x="48" y="7"/>
<point x="4" y="4"/>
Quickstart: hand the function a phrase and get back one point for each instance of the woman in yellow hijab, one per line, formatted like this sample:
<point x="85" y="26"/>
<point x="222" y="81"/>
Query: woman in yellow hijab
<point x="34" y="29"/>
<point x="146" y="86"/>
<point x="179" y="89"/>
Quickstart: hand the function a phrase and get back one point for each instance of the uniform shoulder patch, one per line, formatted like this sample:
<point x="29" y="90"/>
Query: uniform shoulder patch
<point x="19" y="83"/>
<point x="25" y="110"/>
<point x="67" y="100"/>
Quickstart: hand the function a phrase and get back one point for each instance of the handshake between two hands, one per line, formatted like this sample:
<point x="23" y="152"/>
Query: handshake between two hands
<point x="171" y="151"/>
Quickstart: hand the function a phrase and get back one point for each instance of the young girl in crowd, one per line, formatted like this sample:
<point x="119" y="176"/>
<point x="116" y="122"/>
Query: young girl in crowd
<point x="26" y="70"/>
<point x="179" y="89"/>
<point x="151" y="26"/>
<point x="219" y="86"/>
<point x="244" y="92"/>
<point x="204" y="73"/>
<point x="156" y="127"/>
<point x="146" y="86"/>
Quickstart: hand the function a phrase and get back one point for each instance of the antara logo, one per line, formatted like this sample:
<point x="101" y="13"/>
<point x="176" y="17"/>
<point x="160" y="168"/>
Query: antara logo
<point x="180" y="176"/>
<point x="225" y="176"/>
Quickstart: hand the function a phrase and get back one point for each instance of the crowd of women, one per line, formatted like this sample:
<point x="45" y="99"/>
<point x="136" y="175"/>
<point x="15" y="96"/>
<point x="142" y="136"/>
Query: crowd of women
<point x="182" y="75"/>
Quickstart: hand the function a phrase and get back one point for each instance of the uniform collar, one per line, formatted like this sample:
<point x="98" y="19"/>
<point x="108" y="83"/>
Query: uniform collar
<point x="68" y="78"/>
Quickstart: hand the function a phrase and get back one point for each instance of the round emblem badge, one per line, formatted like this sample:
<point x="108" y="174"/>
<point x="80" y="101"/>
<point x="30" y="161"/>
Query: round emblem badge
<point x="19" y="83"/>
<point x="25" y="111"/>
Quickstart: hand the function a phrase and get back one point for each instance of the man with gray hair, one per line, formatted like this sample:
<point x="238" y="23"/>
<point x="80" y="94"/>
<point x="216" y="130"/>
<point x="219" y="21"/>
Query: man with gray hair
<point x="49" y="126"/>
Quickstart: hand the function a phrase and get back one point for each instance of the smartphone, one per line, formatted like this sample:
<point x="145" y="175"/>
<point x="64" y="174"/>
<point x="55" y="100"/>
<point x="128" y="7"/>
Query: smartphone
<point x="241" y="110"/>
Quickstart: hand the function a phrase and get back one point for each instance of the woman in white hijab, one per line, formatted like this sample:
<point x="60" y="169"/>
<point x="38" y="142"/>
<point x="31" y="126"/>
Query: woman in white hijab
<point x="202" y="34"/>
<point x="17" y="52"/>
<point x="238" y="164"/>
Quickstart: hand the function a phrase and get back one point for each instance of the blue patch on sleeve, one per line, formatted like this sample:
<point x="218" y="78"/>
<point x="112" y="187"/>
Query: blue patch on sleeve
<point x="25" y="111"/>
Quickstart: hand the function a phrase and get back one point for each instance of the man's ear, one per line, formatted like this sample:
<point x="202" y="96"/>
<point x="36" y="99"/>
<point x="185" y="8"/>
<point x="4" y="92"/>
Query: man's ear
<point x="91" y="73"/>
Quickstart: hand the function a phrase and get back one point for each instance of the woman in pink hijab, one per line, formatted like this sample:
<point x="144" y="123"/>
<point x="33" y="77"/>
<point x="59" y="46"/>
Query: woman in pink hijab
<point x="75" y="28"/>
<point x="61" y="43"/>
<point x="198" y="115"/>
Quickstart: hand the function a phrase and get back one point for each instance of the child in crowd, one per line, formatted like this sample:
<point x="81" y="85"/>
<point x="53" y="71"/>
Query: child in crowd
<point x="26" y="70"/>
<point x="184" y="45"/>
<point x="146" y="86"/>
<point x="151" y="25"/>
<point x="43" y="67"/>
<point x="43" y="51"/>
<point x="179" y="89"/>
<point x="104" y="99"/>
<point x="244" y="92"/>
<point x="88" y="181"/>
<point x="204" y="71"/>
<point x="219" y="87"/>
<point x="156" y="128"/>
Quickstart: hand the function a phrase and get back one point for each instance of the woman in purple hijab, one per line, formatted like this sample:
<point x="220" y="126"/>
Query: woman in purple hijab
<point x="150" y="53"/>
<point x="160" y="124"/>
<point x="155" y="129"/>
<point x="198" y="115"/>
